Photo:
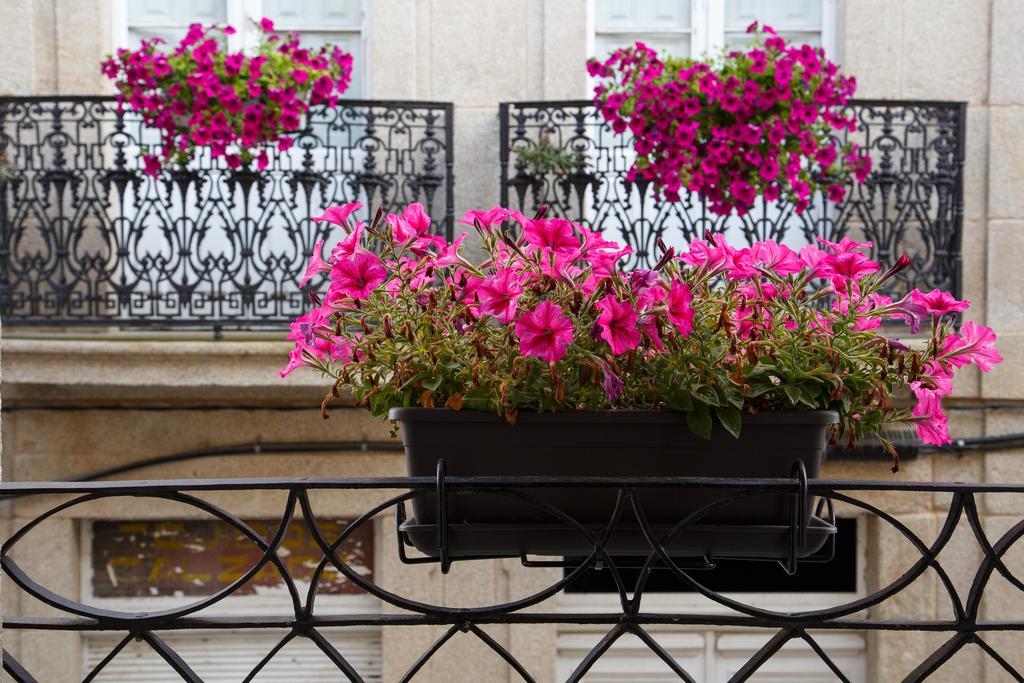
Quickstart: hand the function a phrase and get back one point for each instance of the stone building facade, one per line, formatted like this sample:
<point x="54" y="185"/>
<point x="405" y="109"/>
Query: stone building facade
<point x="79" y="401"/>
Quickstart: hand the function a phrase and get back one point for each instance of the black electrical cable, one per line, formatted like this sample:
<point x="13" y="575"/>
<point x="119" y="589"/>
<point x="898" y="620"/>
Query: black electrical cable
<point x="256" y="448"/>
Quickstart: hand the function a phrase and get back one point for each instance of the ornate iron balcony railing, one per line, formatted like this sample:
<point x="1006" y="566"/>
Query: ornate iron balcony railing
<point x="961" y="618"/>
<point x="912" y="203"/>
<point x="87" y="239"/>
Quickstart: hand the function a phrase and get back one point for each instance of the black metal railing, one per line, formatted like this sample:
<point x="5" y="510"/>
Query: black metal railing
<point x="911" y="204"/>
<point x="960" y="617"/>
<point x="87" y="238"/>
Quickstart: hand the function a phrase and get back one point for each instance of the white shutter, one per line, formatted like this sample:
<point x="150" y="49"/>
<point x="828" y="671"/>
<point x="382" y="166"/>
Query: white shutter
<point x="713" y="656"/>
<point x="169" y="19"/>
<point x="629" y="660"/>
<point x="666" y="25"/>
<point x="796" y="662"/>
<point x="338" y="22"/>
<point x="228" y="656"/>
<point x="799" y="21"/>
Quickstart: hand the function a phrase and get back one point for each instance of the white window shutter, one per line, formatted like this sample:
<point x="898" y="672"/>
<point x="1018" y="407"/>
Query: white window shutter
<point x="228" y="656"/>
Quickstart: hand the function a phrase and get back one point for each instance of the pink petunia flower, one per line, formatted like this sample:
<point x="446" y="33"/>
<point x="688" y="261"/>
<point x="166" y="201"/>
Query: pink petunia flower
<point x="498" y="294"/>
<point x="617" y="324"/>
<point x="975" y="344"/>
<point x="448" y="254"/>
<point x="338" y="215"/>
<point x="417" y="218"/>
<point x="938" y="303"/>
<point x="487" y="219"/>
<point x="775" y="257"/>
<point x="152" y="165"/>
<point x="401" y="231"/>
<point x="554" y="235"/>
<point x="357" y="276"/>
<point x="316" y="265"/>
<point x="352" y="244"/>
<point x="612" y="382"/>
<point x="545" y="332"/>
<point x="845" y="245"/>
<point x="680" y="307"/>
<point x="848" y="266"/>
<point x="932" y="424"/>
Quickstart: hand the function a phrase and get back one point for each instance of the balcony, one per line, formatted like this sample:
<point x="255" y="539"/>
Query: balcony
<point x="968" y="611"/>
<point x="911" y="204"/>
<point x="86" y="239"/>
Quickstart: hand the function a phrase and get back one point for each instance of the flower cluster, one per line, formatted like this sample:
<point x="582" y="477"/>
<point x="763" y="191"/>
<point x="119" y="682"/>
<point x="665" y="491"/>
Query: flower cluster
<point x="548" y="321"/>
<point x="760" y="121"/>
<point x="201" y="95"/>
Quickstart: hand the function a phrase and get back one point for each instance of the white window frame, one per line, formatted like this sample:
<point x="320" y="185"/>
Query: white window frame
<point x="244" y="15"/>
<point x="707" y="29"/>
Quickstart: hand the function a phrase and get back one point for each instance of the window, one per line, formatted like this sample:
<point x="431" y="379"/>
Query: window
<point x="319" y="21"/>
<point x="716" y="653"/>
<point x="154" y="565"/>
<point x="693" y="27"/>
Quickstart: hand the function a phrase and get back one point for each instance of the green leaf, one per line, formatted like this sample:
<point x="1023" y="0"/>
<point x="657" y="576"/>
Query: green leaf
<point x="699" y="420"/>
<point x="433" y="383"/>
<point x="792" y="393"/>
<point x="680" y="400"/>
<point x="730" y="418"/>
<point x="707" y="395"/>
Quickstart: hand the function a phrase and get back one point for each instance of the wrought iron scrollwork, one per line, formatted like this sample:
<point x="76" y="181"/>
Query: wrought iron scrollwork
<point x="963" y="623"/>
<point x="87" y="238"/>
<point x="912" y="203"/>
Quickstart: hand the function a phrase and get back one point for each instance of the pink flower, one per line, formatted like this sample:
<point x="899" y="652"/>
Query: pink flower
<point x="338" y="215"/>
<point x="357" y="276"/>
<point x="152" y="165"/>
<point x="648" y="326"/>
<point x="545" y="332"/>
<point x="295" y="361"/>
<point x="812" y="257"/>
<point x="352" y="244"/>
<point x="940" y="377"/>
<point x="775" y="257"/>
<point x="845" y="245"/>
<point x="617" y="324"/>
<point x="417" y="218"/>
<point x="448" y="254"/>
<point x="316" y="265"/>
<point x="612" y="382"/>
<point x="932" y="424"/>
<point x="266" y="25"/>
<point x="311" y="334"/>
<point x="847" y="266"/>
<point x="487" y="219"/>
<point x="499" y="293"/>
<point x="554" y="235"/>
<point x="680" y="307"/>
<point x="938" y="303"/>
<point x="975" y="344"/>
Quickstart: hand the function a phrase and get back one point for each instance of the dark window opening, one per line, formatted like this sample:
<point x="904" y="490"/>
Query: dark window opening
<point x="839" y="575"/>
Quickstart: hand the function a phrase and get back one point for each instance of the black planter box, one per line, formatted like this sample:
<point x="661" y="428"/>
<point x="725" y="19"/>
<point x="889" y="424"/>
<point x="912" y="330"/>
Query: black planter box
<point x="619" y="443"/>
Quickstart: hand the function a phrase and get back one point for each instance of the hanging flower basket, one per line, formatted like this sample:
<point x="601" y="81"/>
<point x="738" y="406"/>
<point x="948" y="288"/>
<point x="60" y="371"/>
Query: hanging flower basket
<point x="200" y="95"/>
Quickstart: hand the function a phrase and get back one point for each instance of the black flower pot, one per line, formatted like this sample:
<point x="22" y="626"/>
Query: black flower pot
<point x="619" y="443"/>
